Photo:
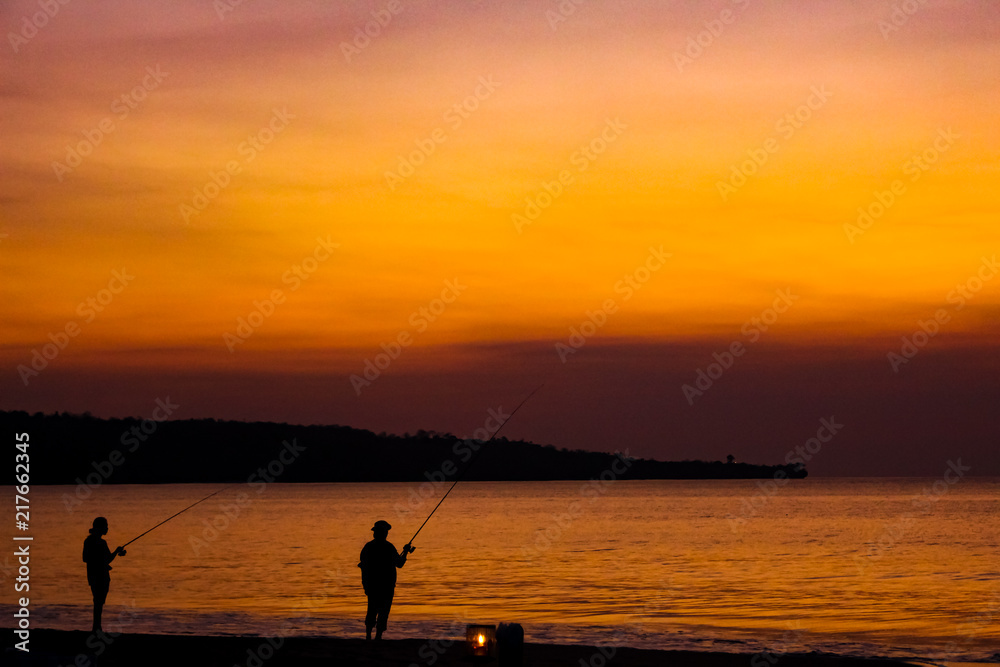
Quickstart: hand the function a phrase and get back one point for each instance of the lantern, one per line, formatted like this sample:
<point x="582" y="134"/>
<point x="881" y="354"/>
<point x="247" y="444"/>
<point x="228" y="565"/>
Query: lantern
<point x="481" y="640"/>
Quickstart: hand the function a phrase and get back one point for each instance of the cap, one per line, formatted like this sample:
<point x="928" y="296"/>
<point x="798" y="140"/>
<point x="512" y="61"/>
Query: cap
<point x="383" y="525"/>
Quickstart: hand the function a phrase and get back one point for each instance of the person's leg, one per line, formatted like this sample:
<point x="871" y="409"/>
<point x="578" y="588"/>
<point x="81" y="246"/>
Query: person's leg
<point x="100" y="596"/>
<point x="370" y="616"/>
<point x="383" y="614"/>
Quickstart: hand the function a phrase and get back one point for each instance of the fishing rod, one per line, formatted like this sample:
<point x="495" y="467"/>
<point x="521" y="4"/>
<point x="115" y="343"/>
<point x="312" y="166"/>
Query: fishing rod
<point x="459" y="478"/>
<point x="179" y="513"/>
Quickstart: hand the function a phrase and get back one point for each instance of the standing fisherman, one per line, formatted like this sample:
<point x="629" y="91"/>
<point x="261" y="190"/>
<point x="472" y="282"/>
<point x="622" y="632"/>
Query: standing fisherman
<point x="379" y="560"/>
<point x="98" y="557"/>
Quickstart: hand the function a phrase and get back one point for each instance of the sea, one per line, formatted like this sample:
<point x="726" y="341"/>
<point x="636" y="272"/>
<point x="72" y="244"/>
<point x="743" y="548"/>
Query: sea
<point x="901" y="567"/>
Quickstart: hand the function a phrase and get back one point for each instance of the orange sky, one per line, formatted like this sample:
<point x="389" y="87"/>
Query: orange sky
<point x="329" y="128"/>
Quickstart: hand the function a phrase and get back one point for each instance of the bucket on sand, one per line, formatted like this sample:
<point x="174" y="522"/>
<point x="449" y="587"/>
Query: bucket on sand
<point x="510" y="644"/>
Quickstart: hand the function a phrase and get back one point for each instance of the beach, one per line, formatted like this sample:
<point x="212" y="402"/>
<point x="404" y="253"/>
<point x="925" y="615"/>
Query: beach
<point x="82" y="649"/>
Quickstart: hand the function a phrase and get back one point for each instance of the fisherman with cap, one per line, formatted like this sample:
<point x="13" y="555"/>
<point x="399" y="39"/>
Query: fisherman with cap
<point x="379" y="560"/>
<point x="98" y="557"/>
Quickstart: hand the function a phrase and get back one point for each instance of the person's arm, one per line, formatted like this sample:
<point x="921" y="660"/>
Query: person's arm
<point x="401" y="558"/>
<point x="110" y="555"/>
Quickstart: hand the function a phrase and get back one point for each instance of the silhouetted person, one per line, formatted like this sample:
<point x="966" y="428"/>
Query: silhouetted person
<point x="379" y="560"/>
<point x="98" y="557"/>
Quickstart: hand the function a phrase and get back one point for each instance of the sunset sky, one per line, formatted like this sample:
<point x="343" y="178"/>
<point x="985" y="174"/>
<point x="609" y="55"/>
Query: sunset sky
<point x="239" y="205"/>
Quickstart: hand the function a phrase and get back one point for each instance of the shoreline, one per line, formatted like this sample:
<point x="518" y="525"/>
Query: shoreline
<point x="82" y="649"/>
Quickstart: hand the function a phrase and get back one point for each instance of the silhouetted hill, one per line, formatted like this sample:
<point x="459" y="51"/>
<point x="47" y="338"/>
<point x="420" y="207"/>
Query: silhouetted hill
<point x="70" y="449"/>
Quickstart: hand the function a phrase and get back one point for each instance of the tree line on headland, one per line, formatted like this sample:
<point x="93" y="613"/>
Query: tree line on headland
<point x="82" y="449"/>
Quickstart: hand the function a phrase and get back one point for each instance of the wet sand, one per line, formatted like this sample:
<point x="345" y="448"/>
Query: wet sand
<point x="58" y="648"/>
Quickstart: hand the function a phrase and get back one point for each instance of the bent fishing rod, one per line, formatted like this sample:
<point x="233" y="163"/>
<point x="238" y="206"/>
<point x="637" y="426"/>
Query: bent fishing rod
<point x="179" y="513"/>
<point x="472" y="461"/>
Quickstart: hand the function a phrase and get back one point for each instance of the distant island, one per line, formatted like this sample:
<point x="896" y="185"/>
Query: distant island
<point x="82" y="449"/>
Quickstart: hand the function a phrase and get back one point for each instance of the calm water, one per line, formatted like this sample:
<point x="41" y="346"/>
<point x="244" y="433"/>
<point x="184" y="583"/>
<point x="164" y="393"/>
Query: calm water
<point x="861" y="566"/>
